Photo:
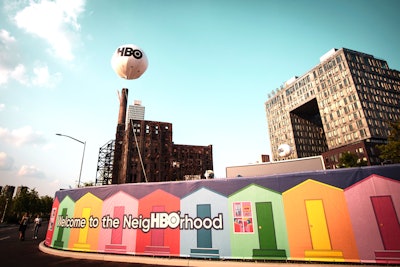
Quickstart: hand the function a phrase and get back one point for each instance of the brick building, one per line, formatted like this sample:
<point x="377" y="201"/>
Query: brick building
<point x="143" y="151"/>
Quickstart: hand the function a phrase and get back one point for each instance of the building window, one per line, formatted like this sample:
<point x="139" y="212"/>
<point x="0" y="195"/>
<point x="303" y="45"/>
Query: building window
<point x="363" y="133"/>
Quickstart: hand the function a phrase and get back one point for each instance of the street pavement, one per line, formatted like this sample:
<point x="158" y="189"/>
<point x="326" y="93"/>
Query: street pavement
<point x="33" y="253"/>
<point x="14" y="252"/>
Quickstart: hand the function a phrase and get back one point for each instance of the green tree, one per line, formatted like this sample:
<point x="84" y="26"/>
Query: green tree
<point x="390" y="152"/>
<point x="87" y="184"/>
<point x="45" y="205"/>
<point x="348" y="160"/>
<point x="26" y="201"/>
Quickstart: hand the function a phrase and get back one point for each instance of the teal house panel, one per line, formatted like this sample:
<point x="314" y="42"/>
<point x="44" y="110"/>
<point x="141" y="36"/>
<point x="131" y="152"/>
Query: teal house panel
<point x="205" y="207"/>
<point x="258" y="225"/>
<point x="61" y="234"/>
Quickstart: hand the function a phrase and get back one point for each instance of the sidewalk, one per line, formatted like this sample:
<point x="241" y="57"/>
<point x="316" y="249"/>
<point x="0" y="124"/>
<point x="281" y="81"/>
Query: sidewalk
<point x="163" y="261"/>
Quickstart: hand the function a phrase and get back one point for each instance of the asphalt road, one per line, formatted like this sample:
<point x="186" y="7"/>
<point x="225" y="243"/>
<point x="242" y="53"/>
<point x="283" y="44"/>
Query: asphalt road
<point x="29" y="253"/>
<point x="14" y="252"/>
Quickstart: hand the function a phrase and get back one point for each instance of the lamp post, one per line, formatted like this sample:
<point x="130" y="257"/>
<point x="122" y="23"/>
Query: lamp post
<point x="83" y="155"/>
<point x="5" y="209"/>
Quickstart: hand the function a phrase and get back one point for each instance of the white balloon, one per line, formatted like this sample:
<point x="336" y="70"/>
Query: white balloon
<point x="129" y="61"/>
<point x="284" y="150"/>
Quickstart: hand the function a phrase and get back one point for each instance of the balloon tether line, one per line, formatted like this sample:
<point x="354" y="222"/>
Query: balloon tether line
<point x="140" y="155"/>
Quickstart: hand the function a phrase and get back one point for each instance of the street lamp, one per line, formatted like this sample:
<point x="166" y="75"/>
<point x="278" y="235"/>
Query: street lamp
<point x="83" y="155"/>
<point x="5" y="209"/>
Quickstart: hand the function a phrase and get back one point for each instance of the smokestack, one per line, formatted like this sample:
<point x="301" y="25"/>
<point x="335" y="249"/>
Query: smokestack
<point x="120" y="140"/>
<point x="123" y="99"/>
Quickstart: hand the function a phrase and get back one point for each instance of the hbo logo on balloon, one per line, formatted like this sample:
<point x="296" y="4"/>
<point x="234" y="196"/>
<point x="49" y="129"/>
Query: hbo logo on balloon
<point x="129" y="51"/>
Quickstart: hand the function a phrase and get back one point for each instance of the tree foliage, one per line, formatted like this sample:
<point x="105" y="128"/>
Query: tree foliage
<point x="88" y="184"/>
<point x="27" y="200"/>
<point x="390" y="152"/>
<point x="348" y="160"/>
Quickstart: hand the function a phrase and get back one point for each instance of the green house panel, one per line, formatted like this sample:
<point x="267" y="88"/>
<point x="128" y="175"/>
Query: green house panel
<point x="267" y="238"/>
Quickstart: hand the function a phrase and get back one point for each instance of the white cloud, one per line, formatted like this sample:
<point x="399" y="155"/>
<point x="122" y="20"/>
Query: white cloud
<point x="54" y="21"/>
<point x="6" y="162"/>
<point x="6" y="39"/>
<point x="44" y="78"/>
<point x="19" y="74"/>
<point x="10" y="69"/>
<point x="40" y="77"/>
<point x="7" y="59"/>
<point x="30" y="171"/>
<point x="3" y="76"/>
<point x="22" y="136"/>
<point x="2" y="106"/>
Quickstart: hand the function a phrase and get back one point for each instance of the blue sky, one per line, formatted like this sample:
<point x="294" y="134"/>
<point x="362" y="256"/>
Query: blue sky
<point x="211" y="66"/>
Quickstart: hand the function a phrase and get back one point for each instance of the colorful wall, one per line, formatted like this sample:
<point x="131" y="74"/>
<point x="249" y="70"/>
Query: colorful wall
<point x="345" y="215"/>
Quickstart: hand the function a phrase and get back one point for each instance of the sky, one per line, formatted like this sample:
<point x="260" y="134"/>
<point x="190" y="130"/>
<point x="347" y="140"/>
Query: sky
<point x="211" y="67"/>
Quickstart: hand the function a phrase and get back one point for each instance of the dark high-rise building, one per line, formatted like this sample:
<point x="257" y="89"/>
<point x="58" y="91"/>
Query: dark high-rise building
<point x="21" y="190"/>
<point x="343" y="104"/>
<point x="135" y="111"/>
<point x="143" y="151"/>
<point x="8" y="191"/>
<point x="148" y="152"/>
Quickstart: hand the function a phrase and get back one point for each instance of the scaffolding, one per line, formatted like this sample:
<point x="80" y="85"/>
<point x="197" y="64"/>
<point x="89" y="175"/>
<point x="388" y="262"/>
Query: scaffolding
<point x="105" y="164"/>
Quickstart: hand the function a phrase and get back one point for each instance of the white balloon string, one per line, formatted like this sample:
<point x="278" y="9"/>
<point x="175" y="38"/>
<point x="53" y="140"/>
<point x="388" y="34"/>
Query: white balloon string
<point x="140" y="155"/>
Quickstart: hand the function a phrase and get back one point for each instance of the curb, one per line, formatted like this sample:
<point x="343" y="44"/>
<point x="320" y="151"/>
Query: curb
<point x="159" y="261"/>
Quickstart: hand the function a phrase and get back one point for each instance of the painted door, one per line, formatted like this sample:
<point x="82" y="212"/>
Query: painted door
<point x="317" y="225"/>
<point x="157" y="235"/>
<point x="387" y="220"/>
<point x="83" y="232"/>
<point x="116" y="233"/>
<point x="204" y="239"/>
<point x="266" y="227"/>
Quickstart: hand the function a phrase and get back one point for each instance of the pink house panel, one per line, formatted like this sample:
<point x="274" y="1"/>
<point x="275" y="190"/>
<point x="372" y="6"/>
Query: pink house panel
<point x="113" y="238"/>
<point x="374" y="207"/>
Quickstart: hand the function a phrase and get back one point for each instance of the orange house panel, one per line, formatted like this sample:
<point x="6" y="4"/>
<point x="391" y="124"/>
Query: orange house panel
<point x="318" y="223"/>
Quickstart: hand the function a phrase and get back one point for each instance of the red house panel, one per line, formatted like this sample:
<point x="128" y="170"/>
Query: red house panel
<point x="155" y="236"/>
